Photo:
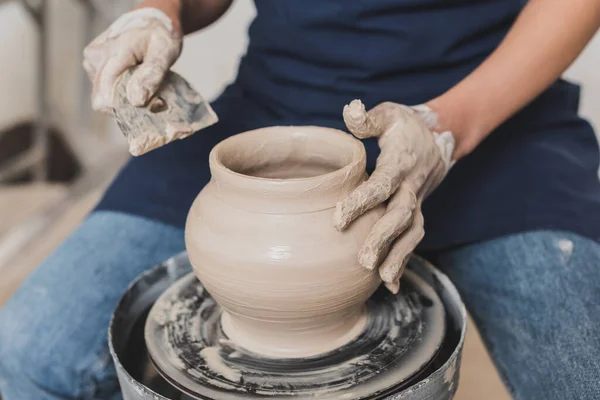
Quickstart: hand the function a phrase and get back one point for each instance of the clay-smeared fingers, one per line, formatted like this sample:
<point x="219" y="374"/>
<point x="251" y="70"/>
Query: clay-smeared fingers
<point x="394" y="222"/>
<point x="89" y="69"/>
<point x="391" y="268"/>
<point x="393" y="164"/>
<point x="145" y="81"/>
<point x="93" y="58"/>
<point x="394" y="287"/>
<point x="105" y="79"/>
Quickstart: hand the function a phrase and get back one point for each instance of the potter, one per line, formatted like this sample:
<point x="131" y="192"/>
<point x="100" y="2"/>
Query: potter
<point x="515" y="223"/>
<point x="261" y="240"/>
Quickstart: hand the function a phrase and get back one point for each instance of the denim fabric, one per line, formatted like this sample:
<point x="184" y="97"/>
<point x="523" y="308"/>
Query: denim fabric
<point x="535" y="298"/>
<point x="533" y="295"/>
<point x="53" y="331"/>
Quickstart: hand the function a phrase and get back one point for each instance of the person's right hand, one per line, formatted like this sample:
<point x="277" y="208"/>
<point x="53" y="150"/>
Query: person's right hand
<point x="146" y="36"/>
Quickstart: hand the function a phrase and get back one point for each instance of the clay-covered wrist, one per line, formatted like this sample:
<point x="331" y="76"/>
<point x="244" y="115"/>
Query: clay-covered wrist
<point x="458" y="119"/>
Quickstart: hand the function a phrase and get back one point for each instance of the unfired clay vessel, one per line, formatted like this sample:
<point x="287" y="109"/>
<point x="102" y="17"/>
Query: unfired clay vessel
<point x="261" y="240"/>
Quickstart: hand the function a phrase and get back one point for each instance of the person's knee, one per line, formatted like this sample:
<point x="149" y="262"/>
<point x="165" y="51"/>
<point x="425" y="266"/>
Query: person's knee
<point x="27" y="363"/>
<point x="53" y="331"/>
<point x="37" y="360"/>
<point x="533" y="297"/>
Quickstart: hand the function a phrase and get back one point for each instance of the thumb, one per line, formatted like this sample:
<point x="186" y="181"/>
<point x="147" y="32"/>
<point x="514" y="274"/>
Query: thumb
<point x="148" y="77"/>
<point x="360" y="123"/>
<point x="373" y="123"/>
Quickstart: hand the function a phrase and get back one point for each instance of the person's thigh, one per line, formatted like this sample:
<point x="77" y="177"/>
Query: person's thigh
<point x="535" y="298"/>
<point x="53" y="331"/>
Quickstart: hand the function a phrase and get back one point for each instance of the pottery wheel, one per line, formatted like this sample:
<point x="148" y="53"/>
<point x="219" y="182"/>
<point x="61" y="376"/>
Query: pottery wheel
<point x="189" y="349"/>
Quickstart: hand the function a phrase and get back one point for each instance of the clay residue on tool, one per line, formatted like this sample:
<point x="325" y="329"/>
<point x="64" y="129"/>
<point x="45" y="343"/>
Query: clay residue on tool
<point x="175" y="112"/>
<point x="261" y="240"/>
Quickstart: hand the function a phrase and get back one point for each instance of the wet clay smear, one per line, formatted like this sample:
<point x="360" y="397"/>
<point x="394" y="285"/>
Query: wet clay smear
<point x="187" y="344"/>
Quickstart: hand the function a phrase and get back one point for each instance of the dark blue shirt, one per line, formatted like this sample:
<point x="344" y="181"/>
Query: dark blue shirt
<point x="307" y="58"/>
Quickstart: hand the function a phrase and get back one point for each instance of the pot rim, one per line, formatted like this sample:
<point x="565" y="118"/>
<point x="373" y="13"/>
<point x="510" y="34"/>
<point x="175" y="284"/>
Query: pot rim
<point x="322" y="190"/>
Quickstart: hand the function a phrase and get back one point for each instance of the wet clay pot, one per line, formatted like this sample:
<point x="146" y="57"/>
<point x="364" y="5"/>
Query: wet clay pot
<point x="261" y="240"/>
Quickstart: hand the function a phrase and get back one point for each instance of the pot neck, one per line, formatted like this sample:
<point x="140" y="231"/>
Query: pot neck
<point x="274" y="170"/>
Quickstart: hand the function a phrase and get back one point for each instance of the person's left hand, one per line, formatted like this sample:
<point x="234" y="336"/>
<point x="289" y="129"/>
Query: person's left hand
<point x="413" y="161"/>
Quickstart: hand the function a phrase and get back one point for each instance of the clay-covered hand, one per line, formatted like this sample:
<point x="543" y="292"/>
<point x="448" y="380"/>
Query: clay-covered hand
<point x="146" y="36"/>
<point x="413" y="161"/>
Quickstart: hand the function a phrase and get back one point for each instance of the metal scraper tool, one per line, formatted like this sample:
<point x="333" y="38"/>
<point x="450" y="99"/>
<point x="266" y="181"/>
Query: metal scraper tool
<point x="176" y="111"/>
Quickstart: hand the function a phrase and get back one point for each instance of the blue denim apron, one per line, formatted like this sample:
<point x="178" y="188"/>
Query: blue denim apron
<point x="307" y="58"/>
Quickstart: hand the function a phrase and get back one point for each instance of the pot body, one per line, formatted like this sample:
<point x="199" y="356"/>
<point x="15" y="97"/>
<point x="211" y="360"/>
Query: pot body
<point x="262" y="241"/>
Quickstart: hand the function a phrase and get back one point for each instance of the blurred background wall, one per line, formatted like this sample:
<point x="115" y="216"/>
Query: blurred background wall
<point x="65" y="40"/>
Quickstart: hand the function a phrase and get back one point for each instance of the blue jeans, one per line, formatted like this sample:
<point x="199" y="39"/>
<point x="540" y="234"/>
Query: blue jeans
<point x="534" y="296"/>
